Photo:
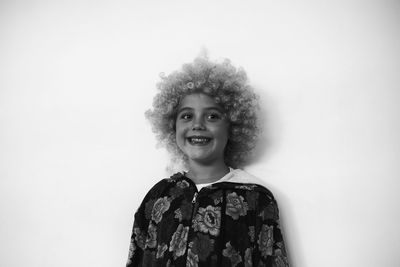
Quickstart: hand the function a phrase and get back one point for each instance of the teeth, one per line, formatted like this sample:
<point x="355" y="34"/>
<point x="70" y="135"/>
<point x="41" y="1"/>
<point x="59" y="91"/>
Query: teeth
<point x="199" y="140"/>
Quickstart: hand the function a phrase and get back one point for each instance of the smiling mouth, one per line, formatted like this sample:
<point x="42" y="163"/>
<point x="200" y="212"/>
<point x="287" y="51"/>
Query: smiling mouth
<point x="199" y="140"/>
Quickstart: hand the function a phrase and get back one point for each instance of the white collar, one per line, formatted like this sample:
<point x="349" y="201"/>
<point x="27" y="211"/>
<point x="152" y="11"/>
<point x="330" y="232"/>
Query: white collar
<point x="237" y="176"/>
<point x="240" y="176"/>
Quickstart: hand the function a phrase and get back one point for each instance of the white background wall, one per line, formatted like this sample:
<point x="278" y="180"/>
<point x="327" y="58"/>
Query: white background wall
<point x="77" y="156"/>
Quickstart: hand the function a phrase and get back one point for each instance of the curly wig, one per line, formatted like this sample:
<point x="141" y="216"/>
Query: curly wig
<point x="229" y="88"/>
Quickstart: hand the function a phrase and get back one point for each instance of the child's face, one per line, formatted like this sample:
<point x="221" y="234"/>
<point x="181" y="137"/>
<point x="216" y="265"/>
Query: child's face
<point x="201" y="129"/>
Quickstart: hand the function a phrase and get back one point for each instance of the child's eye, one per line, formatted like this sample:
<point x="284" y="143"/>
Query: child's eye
<point x="213" y="116"/>
<point x="185" y="116"/>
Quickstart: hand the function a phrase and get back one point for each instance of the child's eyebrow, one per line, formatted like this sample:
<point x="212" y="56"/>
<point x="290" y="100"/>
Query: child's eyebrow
<point x="207" y="108"/>
<point x="184" y="109"/>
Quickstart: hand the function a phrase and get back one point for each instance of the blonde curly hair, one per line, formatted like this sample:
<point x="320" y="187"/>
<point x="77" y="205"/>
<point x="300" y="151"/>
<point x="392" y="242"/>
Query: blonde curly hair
<point x="230" y="89"/>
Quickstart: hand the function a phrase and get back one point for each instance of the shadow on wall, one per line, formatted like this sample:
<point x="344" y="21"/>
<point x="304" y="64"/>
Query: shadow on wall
<point x="266" y="140"/>
<point x="269" y="139"/>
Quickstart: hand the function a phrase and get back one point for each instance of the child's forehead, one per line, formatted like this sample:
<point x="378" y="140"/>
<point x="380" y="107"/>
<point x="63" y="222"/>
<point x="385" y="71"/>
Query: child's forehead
<point x="198" y="101"/>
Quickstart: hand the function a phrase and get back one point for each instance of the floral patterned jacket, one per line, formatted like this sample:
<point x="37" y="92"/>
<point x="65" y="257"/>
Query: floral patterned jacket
<point x="225" y="224"/>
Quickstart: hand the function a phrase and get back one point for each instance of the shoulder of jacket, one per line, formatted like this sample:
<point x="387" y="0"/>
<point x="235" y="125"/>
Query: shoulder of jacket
<point x="257" y="188"/>
<point x="160" y="187"/>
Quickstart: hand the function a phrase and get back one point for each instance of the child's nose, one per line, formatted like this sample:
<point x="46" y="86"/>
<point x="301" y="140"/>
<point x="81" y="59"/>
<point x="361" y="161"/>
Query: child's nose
<point x="198" y="124"/>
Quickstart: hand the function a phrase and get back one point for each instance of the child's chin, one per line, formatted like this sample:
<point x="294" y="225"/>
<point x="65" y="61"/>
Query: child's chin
<point x="199" y="157"/>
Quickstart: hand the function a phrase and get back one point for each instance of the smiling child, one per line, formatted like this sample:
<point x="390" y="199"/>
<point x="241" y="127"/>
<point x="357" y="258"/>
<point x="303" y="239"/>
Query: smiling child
<point x="213" y="214"/>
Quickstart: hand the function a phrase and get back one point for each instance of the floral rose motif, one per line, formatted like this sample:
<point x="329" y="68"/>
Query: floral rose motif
<point x="178" y="214"/>
<point x="192" y="259"/>
<point x="202" y="246"/>
<point x="160" y="250"/>
<point x="235" y="206"/>
<point x="232" y="254"/>
<point x="160" y="206"/>
<point x="248" y="261"/>
<point x="140" y="237"/>
<point x="265" y="240"/>
<point x="151" y="240"/>
<point x="178" y="241"/>
<point x="208" y="220"/>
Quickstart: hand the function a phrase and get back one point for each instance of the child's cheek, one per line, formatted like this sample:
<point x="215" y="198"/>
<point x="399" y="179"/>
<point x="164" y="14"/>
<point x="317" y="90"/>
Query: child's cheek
<point x="181" y="131"/>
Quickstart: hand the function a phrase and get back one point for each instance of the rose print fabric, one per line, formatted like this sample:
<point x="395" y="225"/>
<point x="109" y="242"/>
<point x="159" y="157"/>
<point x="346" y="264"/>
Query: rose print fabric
<point x="225" y="224"/>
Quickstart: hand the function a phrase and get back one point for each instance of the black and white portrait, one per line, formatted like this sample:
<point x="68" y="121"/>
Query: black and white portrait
<point x="78" y="152"/>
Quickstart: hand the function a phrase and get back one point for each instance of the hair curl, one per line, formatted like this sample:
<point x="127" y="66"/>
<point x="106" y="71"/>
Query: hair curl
<point x="230" y="89"/>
